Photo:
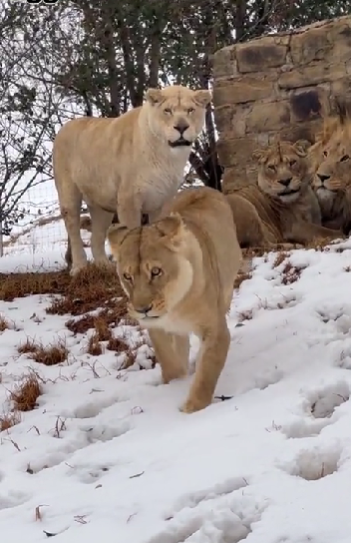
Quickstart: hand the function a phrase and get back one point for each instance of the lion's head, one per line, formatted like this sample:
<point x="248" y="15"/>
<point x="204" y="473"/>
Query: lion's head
<point x="152" y="266"/>
<point x="177" y="113"/>
<point x="283" y="170"/>
<point x="332" y="175"/>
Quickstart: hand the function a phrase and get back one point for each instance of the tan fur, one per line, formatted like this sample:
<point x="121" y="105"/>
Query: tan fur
<point x="282" y="207"/>
<point x="179" y="275"/>
<point x="332" y="170"/>
<point x="130" y="165"/>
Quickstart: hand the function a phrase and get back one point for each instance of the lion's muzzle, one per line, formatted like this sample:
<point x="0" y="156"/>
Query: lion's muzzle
<point x="181" y="142"/>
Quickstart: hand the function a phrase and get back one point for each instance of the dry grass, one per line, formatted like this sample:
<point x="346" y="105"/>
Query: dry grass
<point x="241" y="277"/>
<point x="91" y="289"/>
<point x="25" y="396"/>
<point x="8" y="420"/>
<point x="4" y="324"/>
<point x="290" y="274"/>
<point x="279" y="259"/>
<point x="102" y="321"/>
<point x="49" y="355"/>
<point x="19" y="285"/>
<point x="94" y="347"/>
<point x="117" y="344"/>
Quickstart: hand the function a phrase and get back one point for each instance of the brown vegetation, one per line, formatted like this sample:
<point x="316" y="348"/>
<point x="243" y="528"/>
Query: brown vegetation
<point x="25" y="396"/>
<point x="49" y="355"/>
<point x="4" y="324"/>
<point x="91" y="289"/>
<point x="290" y="274"/>
<point x="9" y="419"/>
<point x="94" y="347"/>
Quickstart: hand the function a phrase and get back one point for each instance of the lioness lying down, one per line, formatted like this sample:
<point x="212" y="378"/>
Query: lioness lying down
<point x="130" y="165"/>
<point x="178" y="274"/>
<point x="282" y="207"/>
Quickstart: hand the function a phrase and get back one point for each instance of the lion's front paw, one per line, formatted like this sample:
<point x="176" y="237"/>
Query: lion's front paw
<point x="76" y="268"/>
<point x="103" y="262"/>
<point x="195" y="404"/>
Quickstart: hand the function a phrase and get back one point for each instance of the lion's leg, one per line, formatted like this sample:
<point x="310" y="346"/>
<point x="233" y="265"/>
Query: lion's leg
<point x="334" y="224"/>
<point x="100" y="221"/>
<point x="210" y="362"/>
<point x="249" y="228"/>
<point x="70" y="205"/>
<point x="305" y="232"/>
<point x="155" y="215"/>
<point x="68" y="255"/>
<point x="129" y="209"/>
<point x="172" y="353"/>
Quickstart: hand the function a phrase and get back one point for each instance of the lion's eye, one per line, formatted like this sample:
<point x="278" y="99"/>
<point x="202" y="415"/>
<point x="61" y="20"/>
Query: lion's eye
<point x="325" y="153"/>
<point x="167" y="111"/>
<point x="344" y="158"/>
<point x="271" y="167"/>
<point x="155" y="272"/>
<point x="292" y="163"/>
<point x="127" y="276"/>
<point x="191" y="110"/>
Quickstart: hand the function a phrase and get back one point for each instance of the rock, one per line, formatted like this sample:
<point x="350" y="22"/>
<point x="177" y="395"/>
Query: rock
<point x="277" y="84"/>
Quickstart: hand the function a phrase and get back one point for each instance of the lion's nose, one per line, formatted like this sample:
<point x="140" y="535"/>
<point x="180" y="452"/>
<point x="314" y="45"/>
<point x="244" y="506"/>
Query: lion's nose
<point x="181" y="126"/>
<point x="323" y="177"/>
<point x="144" y="309"/>
<point x="285" y="182"/>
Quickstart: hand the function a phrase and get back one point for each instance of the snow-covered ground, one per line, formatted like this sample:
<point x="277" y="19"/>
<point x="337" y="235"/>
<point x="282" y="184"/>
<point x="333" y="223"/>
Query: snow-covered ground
<point x="107" y="455"/>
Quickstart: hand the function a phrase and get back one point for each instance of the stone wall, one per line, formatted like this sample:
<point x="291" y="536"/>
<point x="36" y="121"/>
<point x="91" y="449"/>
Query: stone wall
<point x="277" y="85"/>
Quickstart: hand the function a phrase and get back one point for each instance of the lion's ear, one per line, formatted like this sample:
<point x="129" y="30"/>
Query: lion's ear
<point x="202" y="97"/>
<point x="153" y="96"/>
<point x="172" y="229"/>
<point x="115" y="235"/>
<point x="258" y="155"/>
<point x="302" y="146"/>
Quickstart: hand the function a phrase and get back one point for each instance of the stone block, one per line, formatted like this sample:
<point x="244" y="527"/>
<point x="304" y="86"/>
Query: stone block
<point x="224" y="62"/>
<point x="243" y="90"/>
<point x="223" y="118"/>
<point x="300" y="131"/>
<point x="311" y="45"/>
<point x="340" y="35"/>
<point x="235" y="151"/>
<point x="260" y="55"/>
<point x="266" y="117"/>
<point x="234" y="178"/>
<point x="310" y="75"/>
<point x="306" y="104"/>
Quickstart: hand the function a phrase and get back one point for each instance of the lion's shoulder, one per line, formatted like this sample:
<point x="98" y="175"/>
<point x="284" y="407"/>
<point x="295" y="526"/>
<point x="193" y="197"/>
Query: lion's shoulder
<point x="262" y="202"/>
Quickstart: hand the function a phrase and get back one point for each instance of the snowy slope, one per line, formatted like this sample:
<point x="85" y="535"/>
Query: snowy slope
<point x="107" y="456"/>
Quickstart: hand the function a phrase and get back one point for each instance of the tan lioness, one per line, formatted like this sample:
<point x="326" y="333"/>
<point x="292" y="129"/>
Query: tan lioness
<point x="178" y="274"/>
<point x="282" y="207"/>
<point x="130" y="165"/>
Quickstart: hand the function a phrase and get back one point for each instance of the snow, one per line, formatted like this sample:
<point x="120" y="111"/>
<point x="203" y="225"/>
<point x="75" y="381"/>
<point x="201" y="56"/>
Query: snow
<point x="107" y="455"/>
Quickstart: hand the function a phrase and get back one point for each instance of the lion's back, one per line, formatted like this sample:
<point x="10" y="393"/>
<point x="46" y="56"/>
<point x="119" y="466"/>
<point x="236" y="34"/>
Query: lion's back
<point x="87" y="147"/>
<point x="209" y="216"/>
<point x="268" y="216"/>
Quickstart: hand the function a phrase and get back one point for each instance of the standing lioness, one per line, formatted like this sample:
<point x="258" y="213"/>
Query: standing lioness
<point x="131" y="165"/>
<point x="179" y="275"/>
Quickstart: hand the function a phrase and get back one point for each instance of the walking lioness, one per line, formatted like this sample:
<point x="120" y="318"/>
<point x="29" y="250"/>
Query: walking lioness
<point x="131" y="165"/>
<point x="178" y="274"/>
